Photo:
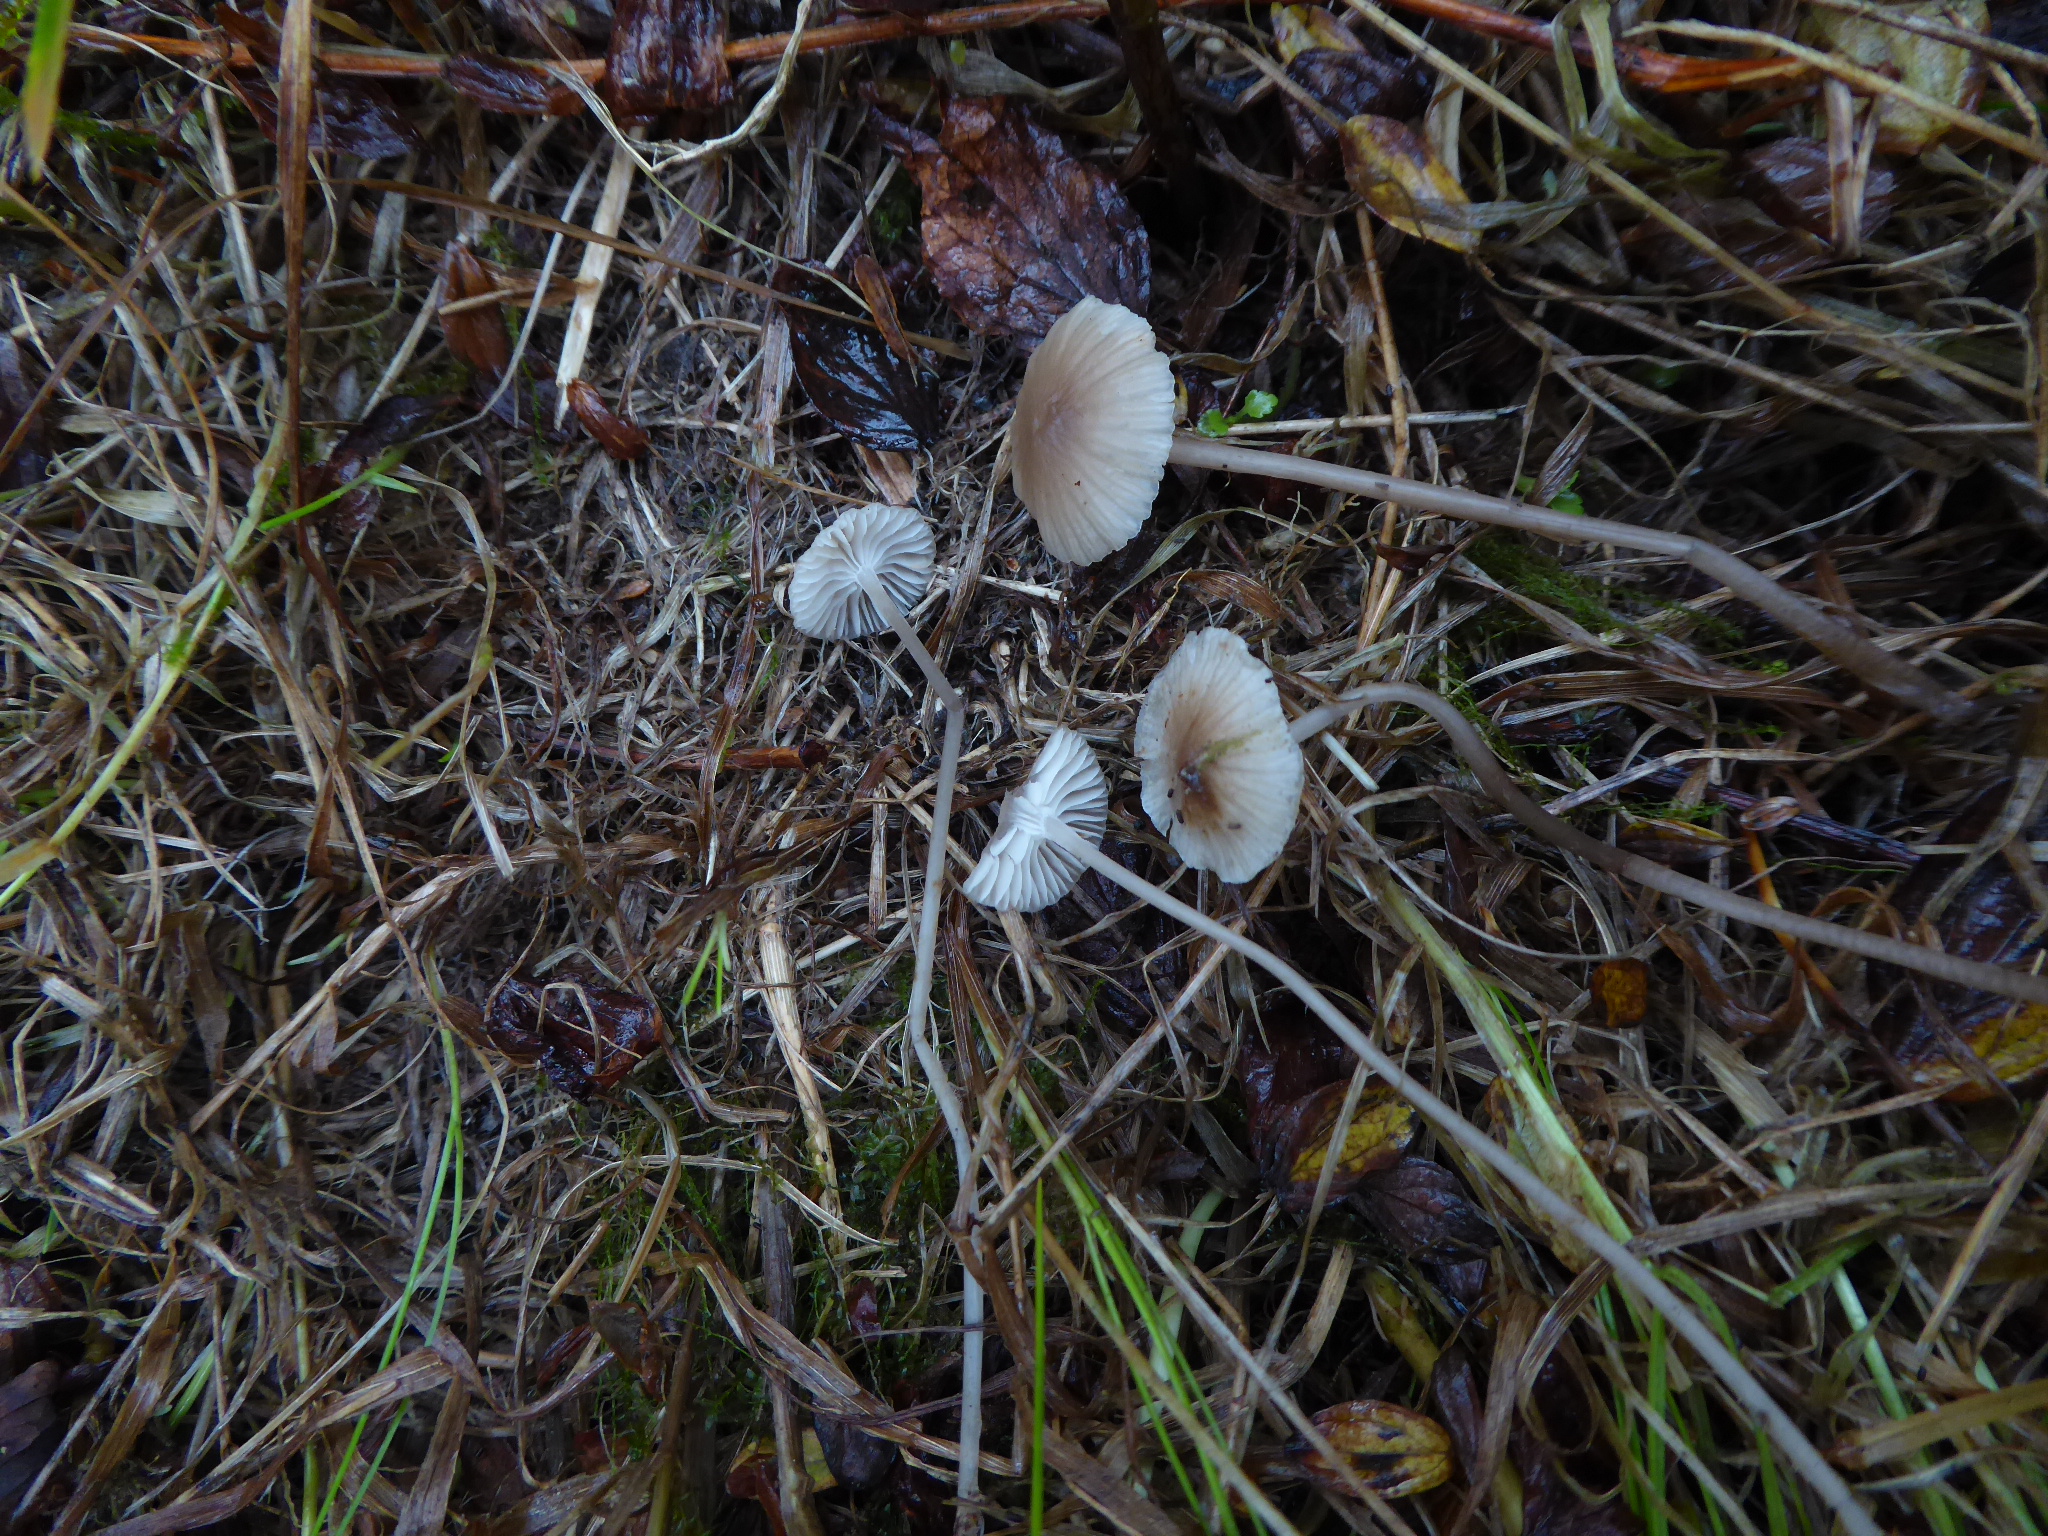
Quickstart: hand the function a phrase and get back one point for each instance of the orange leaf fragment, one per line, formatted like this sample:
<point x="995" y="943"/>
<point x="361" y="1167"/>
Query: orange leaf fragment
<point x="1623" y="989"/>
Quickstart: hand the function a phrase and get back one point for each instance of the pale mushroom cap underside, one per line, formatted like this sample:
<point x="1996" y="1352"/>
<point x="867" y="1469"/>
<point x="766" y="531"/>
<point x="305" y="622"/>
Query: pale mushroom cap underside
<point x="891" y="546"/>
<point x="1023" y="869"/>
<point x="1093" y="427"/>
<point x="1219" y="770"/>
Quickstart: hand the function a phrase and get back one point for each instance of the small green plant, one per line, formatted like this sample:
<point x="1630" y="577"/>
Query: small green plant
<point x="1566" y="500"/>
<point x="1258" y="405"/>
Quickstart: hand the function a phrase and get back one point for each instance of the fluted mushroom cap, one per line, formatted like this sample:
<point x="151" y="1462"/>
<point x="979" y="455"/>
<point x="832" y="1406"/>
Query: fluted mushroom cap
<point x="1220" y="772"/>
<point x="890" y="545"/>
<point x="1023" y="869"/>
<point x="1093" y="427"/>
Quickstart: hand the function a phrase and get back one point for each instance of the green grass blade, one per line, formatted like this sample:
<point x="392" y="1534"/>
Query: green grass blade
<point x="44" y="78"/>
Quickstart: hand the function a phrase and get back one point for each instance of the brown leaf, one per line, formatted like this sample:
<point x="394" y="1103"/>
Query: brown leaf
<point x="397" y="420"/>
<point x="1016" y="230"/>
<point x="634" y="1339"/>
<point x="477" y="336"/>
<point x="354" y="117"/>
<point x="582" y="1035"/>
<point x="1397" y="172"/>
<point x="617" y="436"/>
<point x="1394" y="1451"/>
<point x="1790" y="180"/>
<point x="666" y="55"/>
<point x="1622" y="988"/>
<point x="1739" y="227"/>
<point x="553" y="27"/>
<point x="1418" y="1206"/>
<point x="1382" y="1125"/>
<point x="857" y="1458"/>
<point x="851" y="375"/>
<point x="503" y="85"/>
<point x="1350" y="77"/>
<point x="1553" y="1506"/>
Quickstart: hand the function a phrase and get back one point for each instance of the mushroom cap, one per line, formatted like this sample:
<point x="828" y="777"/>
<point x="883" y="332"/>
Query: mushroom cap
<point x="1022" y="869"/>
<point x="1094" y="424"/>
<point x="889" y="545"/>
<point x="1220" y="771"/>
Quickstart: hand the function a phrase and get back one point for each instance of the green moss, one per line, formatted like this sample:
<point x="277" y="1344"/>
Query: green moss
<point x="1511" y="562"/>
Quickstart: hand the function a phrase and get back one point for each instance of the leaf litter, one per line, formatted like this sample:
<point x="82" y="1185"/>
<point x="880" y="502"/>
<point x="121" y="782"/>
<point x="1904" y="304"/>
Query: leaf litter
<point x="448" y="895"/>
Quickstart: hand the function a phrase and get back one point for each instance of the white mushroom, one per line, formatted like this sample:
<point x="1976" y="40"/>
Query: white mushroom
<point x="1093" y="434"/>
<point x="1220" y="770"/>
<point x="1032" y="826"/>
<point x="1025" y="867"/>
<point x="1094" y="423"/>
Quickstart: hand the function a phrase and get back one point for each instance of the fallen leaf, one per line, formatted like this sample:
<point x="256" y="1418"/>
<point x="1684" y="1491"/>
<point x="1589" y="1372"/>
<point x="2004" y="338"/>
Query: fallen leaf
<point x="397" y="420"/>
<point x="857" y="1458"/>
<point x="1418" y="1206"/>
<point x="1394" y="1451"/>
<point x="1347" y="76"/>
<point x="1739" y="227"/>
<point x="666" y="55"/>
<point x="1382" y="1125"/>
<point x="1016" y="230"/>
<point x="617" y="436"/>
<point x="584" y="1036"/>
<point x="1552" y="1505"/>
<point x="554" y="27"/>
<point x="354" y="117"/>
<point x="477" y="335"/>
<point x="634" y="1339"/>
<point x="1791" y="180"/>
<point x="1397" y="172"/>
<point x="1622" y="988"/>
<point x="849" y="372"/>
<point x="1945" y="72"/>
<point x="505" y="85"/>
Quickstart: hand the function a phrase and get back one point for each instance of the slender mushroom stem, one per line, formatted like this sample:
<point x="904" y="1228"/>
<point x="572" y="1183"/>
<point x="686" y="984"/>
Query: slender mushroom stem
<point x="1628" y="866"/>
<point x="1854" y="654"/>
<point x="916" y="1022"/>
<point x="1743" y="1387"/>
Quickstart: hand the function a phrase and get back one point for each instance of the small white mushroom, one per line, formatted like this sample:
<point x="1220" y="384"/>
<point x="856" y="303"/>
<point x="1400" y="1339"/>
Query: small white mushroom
<point x="1093" y="434"/>
<point x="1033" y="826"/>
<point x="1220" y="770"/>
<point x="858" y="577"/>
<point x="1094" y="424"/>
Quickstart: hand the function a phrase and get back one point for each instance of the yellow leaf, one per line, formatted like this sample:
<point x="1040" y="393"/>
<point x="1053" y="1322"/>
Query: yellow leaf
<point x="1394" y="169"/>
<point x="1951" y="75"/>
<point x="1394" y="1451"/>
<point x="1298" y="28"/>
<point x="2014" y="1046"/>
<point x="1623" y="989"/>
<point x="1382" y="1125"/>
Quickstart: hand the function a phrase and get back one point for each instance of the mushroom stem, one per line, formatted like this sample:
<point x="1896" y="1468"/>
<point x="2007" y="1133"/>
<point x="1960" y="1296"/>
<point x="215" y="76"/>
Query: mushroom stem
<point x="916" y="1020"/>
<point x="1835" y="640"/>
<point x="1824" y="1480"/>
<point x="1628" y="866"/>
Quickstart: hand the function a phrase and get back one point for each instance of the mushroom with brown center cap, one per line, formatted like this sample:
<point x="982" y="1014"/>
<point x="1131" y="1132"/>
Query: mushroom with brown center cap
<point x="1220" y="771"/>
<point x="1057" y="812"/>
<point x="1093" y="434"/>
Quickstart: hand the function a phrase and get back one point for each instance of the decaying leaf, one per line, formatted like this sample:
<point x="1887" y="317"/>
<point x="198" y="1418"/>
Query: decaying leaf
<point x="1418" y="1206"/>
<point x="1791" y="180"/>
<point x="584" y="1036"/>
<point x="634" y="1339"/>
<point x="1016" y="230"/>
<point x="616" y="435"/>
<point x="554" y="27"/>
<point x="352" y="117"/>
<point x="505" y="85"/>
<point x="1398" y="174"/>
<point x="1394" y="1451"/>
<point x="1991" y="916"/>
<point x="1622" y="988"/>
<point x="1948" y="74"/>
<point x="666" y="55"/>
<point x="849" y="371"/>
<point x="1346" y="75"/>
<point x="397" y="420"/>
<point x="1382" y="1125"/>
<point x="476" y="333"/>
<point x="1739" y="227"/>
<point x="857" y="1458"/>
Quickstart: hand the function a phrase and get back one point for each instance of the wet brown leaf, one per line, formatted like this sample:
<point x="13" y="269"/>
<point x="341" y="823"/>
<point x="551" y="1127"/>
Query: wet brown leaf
<point x="1398" y="174"/>
<point x="1790" y="180"/>
<point x="1622" y="988"/>
<point x="397" y="420"/>
<point x="584" y="1036"/>
<point x="634" y="1339"/>
<point x="1739" y="227"/>
<point x="666" y="55"/>
<point x="1951" y="75"/>
<point x="614" y="433"/>
<point x="1016" y="230"/>
<point x="857" y="1458"/>
<point x="476" y="335"/>
<point x="504" y="85"/>
<point x="1552" y="1506"/>
<point x="355" y="117"/>
<point x="1394" y="1451"/>
<point x="1298" y="1142"/>
<point x="849" y="372"/>
<point x="1346" y="75"/>
<point x="1418" y="1206"/>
